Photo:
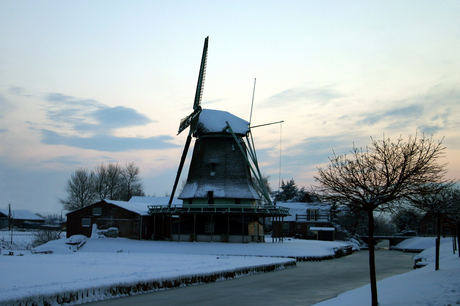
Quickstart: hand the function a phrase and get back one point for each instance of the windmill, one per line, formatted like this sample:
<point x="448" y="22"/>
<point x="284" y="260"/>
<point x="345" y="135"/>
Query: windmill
<point x="220" y="166"/>
<point x="220" y="199"/>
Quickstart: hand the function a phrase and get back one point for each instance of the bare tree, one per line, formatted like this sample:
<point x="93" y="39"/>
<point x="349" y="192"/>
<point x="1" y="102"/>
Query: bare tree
<point x="442" y="205"/>
<point x="376" y="178"/>
<point x="130" y="184"/>
<point x="80" y="189"/>
<point x="454" y="216"/>
<point x="113" y="181"/>
<point x="101" y="181"/>
<point x="44" y="235"/>
<point x="109" y="181"/>
<point x="406" y="218"/>
<point x="351" y="223"/>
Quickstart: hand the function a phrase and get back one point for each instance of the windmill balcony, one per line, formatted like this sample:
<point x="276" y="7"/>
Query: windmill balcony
<point x="263" y="210"/>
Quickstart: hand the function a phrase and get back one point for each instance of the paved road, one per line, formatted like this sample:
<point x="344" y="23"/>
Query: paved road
<point x="307" y="284"/>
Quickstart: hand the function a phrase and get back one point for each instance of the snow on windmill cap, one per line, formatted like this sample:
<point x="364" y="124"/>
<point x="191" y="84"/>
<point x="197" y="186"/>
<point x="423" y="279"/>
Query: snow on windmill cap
<point x="215" y="121"/>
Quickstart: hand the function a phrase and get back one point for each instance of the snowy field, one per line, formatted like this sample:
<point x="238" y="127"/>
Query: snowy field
<point x="104" y="263"/>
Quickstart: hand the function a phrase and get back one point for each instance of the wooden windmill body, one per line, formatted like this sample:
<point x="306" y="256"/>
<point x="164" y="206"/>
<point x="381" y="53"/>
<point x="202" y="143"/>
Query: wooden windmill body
<point x="218" y="172"/>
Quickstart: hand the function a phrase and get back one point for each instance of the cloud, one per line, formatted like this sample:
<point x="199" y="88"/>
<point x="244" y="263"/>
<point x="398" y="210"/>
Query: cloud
<point x="322" y="95"/>
<point x="87" y="115"/>
<point x="430" y="113"/>
<point x="5" y="106"/>
<point x="107" y="142"/>
<point x="409" y="112"/>
<point x="17" y="91"/>
<point x="311" y="152"/>
<point x="59" y="98"/>
<point x="429" y="129"/>
<point x="316" y="150"/>
<point x="63" y="160"/>
<point x="3" y="131"/>
<point x="111" y="118"/>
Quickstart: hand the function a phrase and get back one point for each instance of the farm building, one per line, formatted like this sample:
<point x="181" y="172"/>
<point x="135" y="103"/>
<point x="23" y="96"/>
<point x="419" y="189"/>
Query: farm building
<point x="428" y="227"/>
<point x="19" y="219"/>
<point x="130" y="218"/>
<point x="307" y="221"/>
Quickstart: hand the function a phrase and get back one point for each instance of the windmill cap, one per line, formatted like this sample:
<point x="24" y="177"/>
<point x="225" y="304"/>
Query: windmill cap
<point x="215" y="121"/>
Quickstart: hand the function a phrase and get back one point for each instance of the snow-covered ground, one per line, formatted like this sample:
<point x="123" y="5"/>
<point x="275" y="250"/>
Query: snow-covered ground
<point x="102" y="263"/>
<point x="420" y="287"/>
<point x="419" y="243"/>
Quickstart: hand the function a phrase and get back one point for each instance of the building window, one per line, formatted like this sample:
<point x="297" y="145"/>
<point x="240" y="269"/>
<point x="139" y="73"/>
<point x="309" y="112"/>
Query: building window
<point x="213" y="169"/>
<point x="85" y="222"/>
<point x="209" y="227"/>
<point x="312" y="214"/>
<point x="237" y="201"/>
<point x="430" y="229"/>
<point x="97" y="211"/>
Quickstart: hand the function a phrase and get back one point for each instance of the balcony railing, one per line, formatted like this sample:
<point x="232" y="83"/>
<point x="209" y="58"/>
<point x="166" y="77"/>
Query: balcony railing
<point x="267" y="210"/>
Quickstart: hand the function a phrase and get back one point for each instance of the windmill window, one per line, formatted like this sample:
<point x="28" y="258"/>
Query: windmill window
<point x="213" y="169"/>
<point x="210" y="197"/>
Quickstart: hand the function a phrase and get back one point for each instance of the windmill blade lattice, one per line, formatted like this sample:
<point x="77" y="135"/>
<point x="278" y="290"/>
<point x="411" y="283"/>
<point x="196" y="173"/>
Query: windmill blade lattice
<point x="192" y="119"/>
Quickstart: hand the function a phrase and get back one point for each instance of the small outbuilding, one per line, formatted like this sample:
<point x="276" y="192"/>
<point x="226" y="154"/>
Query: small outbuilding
<point x="307" y="221"/>
<point x="19" y="219"/>
<point x="131" y="218"/>
<point x="428" y="227"/>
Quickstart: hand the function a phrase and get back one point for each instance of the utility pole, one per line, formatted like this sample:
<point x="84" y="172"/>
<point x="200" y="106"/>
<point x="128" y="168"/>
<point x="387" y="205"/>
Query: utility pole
<point x="10" y="226"/>
<point x="9" y="216"/>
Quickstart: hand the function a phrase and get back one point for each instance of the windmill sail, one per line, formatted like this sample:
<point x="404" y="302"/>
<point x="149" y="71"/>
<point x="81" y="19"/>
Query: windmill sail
<point x="201" y="76"/>
<point x="187" y="121"/>
<point x="191" y="119"/>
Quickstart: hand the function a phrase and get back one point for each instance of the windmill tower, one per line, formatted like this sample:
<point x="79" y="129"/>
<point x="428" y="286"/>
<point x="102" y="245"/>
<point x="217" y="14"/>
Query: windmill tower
<point x="219" y="171"/>
<point x="220" y="199"/>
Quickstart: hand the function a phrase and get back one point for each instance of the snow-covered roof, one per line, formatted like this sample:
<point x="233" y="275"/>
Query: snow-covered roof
<point x="214" y="121"/>
<point x="300" y="208"/>
<point x="163" y="201"/>
<point x="21" y="214"/>
<point x="138" y="208"/>
<point x="326" y="229"/>
<point x="232" y="190"/>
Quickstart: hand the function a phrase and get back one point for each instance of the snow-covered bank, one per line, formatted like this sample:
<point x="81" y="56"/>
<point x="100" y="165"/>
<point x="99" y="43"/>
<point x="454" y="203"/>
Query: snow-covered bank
<point x="56" y="279"/>
<point x="419" y="244"/>
<point x="109" y="267"/>
<point x="420" y="287"/>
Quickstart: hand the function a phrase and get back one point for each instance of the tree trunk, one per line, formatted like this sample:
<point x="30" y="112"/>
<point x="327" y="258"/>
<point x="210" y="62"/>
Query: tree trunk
<point x="373" y="277"/>
<point x="458" y="238"/>
<point x="438" y="239"/>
